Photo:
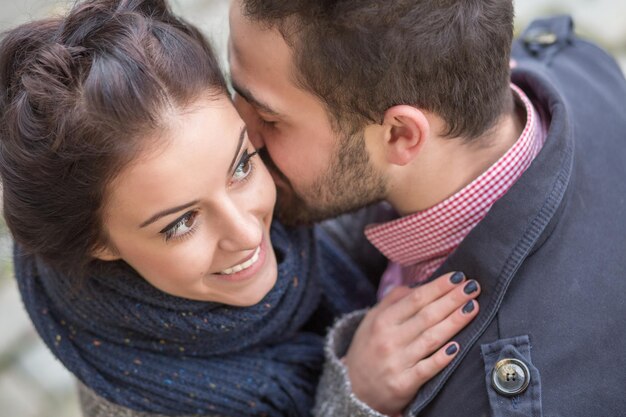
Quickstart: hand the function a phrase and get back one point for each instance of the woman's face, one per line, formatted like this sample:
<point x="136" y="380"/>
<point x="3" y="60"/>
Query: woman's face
<point x="193" y="215"/>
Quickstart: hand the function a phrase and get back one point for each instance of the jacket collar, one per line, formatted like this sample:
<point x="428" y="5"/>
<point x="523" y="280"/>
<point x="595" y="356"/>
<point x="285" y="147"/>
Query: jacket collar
<point x="516" y="225"/>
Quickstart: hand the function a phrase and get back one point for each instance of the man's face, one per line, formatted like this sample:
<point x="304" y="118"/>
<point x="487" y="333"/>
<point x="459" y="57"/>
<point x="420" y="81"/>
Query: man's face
<point x="319" y="173"/>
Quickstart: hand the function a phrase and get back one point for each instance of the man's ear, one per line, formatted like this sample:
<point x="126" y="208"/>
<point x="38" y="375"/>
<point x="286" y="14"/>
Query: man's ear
<point x="407" y="131"/>
<point x="105" y="253"/>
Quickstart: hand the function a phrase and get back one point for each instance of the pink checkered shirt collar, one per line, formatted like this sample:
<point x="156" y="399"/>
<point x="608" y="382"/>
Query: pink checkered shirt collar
<point x="420" y="242"/>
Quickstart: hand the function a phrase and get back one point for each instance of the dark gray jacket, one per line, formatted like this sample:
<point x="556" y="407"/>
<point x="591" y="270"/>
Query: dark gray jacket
<point x="550" y="257"/>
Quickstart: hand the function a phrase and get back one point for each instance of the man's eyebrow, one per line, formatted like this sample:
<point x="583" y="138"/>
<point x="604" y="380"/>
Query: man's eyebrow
<point x="167" y="212"/>
<point x="249" y="97"/>
<point x="242" y="135"/>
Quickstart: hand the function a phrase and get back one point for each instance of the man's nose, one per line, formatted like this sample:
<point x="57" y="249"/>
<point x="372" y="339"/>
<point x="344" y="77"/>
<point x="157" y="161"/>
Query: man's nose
<point x="251" y="119"/>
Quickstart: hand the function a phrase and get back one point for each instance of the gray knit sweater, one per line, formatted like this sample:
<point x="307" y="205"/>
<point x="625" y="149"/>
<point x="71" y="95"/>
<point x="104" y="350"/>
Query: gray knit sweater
<point x="334" y="393"/>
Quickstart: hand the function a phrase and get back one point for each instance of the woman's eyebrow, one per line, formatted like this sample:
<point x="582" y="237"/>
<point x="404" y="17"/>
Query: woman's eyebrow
<point x="167" y="212"/>
<point x="242" y="135"/>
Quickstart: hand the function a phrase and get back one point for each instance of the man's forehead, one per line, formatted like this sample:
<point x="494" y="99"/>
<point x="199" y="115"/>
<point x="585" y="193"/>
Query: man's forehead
<point x="259" y="73"/>
<point x="254" y="40"/>
<point x="262" y="68"/>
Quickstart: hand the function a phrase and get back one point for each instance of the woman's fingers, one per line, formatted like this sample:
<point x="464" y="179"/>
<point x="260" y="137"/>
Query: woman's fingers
<point x="426" y="369"/>
<point x="394" y="296"/>
<point x="441" y="309"/>
<point x="427" y="365"/>
<point x="390" y="358"/>
<point x="415" y="299"/>
<point x="436" y="336"/>
<point x="411" y="379"/>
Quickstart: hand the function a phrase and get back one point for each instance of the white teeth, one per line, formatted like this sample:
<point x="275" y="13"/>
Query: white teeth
<point x="245" y="265"/>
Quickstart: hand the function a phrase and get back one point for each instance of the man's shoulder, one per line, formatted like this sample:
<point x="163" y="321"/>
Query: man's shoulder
<point x="553" y="39"/>
<point x="556" y="65"/>
<point x="346" y="232"/>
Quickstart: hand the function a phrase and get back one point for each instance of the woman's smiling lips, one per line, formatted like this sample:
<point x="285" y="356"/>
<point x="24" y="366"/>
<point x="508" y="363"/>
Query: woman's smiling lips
<point x="245" y="264"/>
<point x="248" y="268"/>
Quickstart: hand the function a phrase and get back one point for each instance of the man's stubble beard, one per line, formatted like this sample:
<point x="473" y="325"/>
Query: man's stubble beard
<point x="349" y="183"/>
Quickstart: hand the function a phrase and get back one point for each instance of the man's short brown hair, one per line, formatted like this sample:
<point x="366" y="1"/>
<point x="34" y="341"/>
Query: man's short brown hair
<point x="361" y="57"/>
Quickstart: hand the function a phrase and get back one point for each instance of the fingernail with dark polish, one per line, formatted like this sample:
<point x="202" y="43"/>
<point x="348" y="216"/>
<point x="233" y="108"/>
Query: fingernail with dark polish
<point x="457" y="277"/>
<point x="469" y="307"/>
<point x="470" y="287"/>
<point x="451" y="350"/>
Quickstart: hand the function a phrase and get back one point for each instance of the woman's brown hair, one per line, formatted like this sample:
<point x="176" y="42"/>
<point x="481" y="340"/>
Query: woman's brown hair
<point x="78" y="97"/>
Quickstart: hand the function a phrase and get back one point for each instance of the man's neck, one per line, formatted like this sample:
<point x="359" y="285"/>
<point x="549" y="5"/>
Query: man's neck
<point x="449" y="165"/>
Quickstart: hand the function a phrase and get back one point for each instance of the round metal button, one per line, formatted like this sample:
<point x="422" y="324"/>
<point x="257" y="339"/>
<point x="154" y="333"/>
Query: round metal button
<point x="510" y="377"/>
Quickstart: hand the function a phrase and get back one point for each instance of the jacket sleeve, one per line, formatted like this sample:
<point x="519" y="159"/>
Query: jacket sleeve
<point x="334" y="392"/>
<point x="347" y="233"/>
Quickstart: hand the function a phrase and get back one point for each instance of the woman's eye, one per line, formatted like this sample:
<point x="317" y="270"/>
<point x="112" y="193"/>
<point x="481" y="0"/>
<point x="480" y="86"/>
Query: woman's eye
<point x="180" y="227"/>
<point x="244" y="168"/>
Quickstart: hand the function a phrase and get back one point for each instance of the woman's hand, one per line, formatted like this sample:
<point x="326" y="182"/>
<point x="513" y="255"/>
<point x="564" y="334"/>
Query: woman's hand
<point x="401" y="342"/>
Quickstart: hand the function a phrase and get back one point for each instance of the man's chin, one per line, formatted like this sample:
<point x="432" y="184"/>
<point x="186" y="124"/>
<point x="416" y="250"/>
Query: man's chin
<point x="293" y="211"/>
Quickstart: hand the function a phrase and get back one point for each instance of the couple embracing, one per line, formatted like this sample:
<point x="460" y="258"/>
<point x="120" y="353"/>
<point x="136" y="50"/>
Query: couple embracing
<point x="142" y="196"/>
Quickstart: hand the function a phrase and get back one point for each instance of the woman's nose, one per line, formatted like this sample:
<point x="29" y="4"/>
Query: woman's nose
<point x="239" y="230"/>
